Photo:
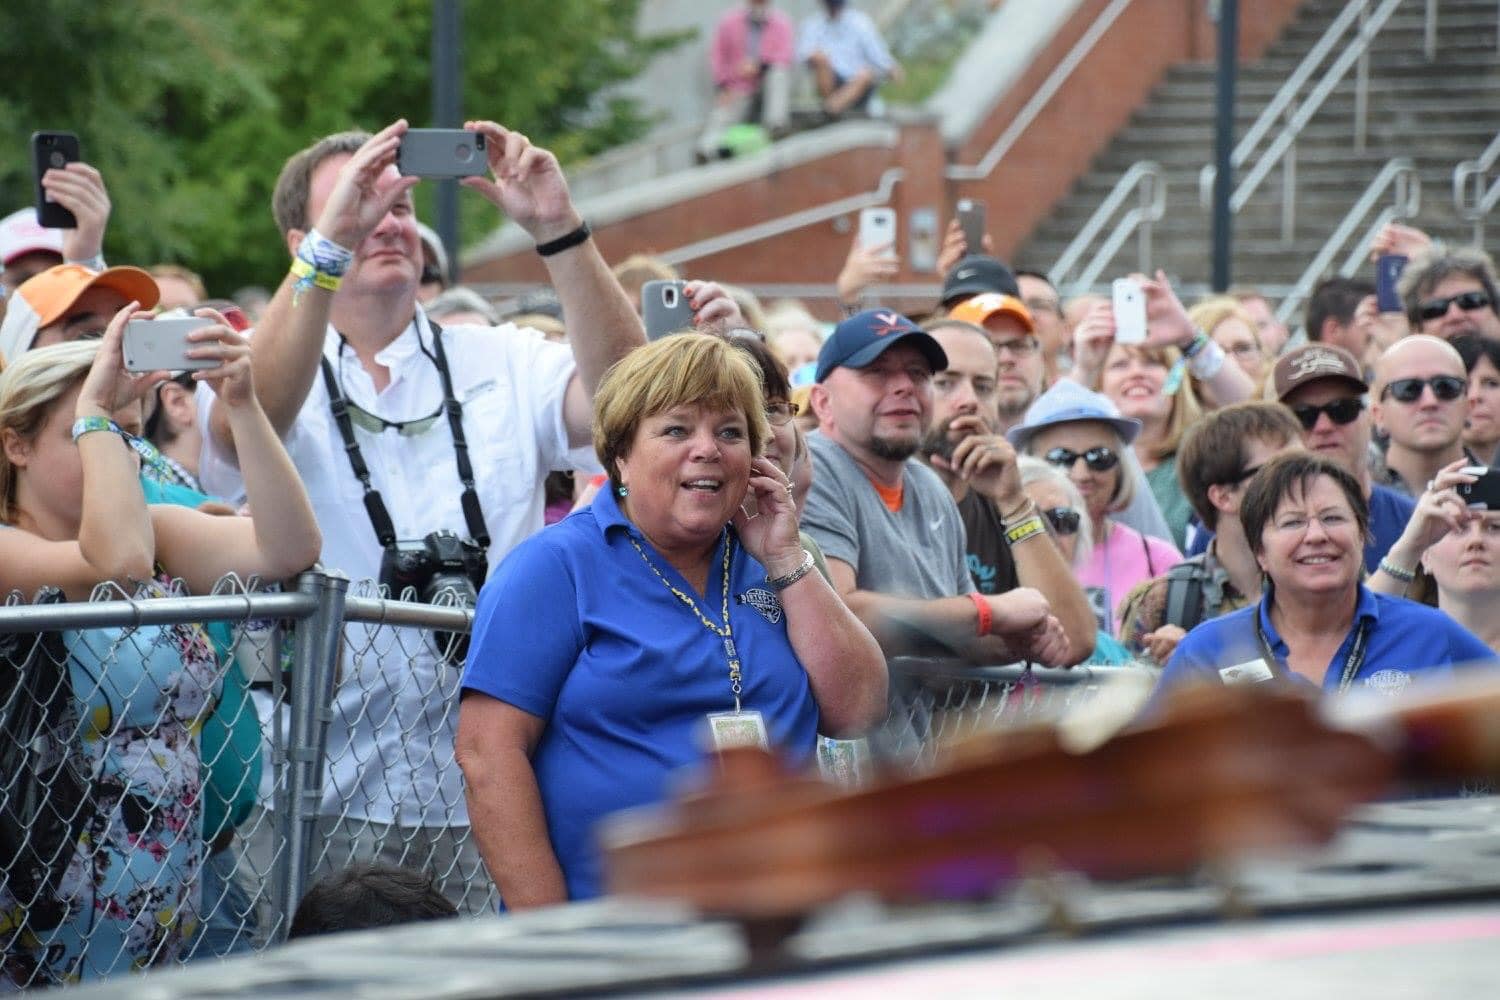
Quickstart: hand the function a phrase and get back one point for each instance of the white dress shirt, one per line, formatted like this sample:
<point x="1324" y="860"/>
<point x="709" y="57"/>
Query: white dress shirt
<point x="395" y="712"/>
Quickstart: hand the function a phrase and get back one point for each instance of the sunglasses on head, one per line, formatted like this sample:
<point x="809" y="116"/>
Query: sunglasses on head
<point x="1100" y="459"/>
<point x="1437" y="308"/>
<point x="1064" y="520"/>
<point x="1408" y="390"/>
<point x="1340" y="411"/>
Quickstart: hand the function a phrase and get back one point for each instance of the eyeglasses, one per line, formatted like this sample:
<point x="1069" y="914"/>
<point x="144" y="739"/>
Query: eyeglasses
<point x="1021" y="347"/>
<point x="1467" y="301"/>
<point x="1408" y="390"/>
<point x="780" y="414"/>
<point x="1064" y="520"/>
<point x="1100" y="459"/>
<point x="1340" y="411"/>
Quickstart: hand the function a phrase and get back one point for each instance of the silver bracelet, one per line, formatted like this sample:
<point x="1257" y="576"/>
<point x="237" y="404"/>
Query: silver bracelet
<point x="783" y="582"/>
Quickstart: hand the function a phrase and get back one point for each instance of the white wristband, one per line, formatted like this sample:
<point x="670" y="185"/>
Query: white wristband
<point x="1206" y="363"/>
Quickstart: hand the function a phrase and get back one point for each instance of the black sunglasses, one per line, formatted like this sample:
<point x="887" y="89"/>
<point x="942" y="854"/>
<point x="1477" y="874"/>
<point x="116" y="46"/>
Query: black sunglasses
<point x="1248" y="472"/>
<point x="1408" y="390"/>
<point x="1100" y="459"/>
<point x="1340" y="411"/>
<point x="1064" y="520"/>
<point x="1437" y="308"/>
<point x="431" y="274"/>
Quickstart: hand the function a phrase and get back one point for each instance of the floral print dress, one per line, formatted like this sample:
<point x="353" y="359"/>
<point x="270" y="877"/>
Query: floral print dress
<point x="132" y="889"/>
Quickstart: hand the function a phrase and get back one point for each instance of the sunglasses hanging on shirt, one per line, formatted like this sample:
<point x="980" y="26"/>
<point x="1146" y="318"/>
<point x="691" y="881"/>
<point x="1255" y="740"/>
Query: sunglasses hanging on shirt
<point x="1064" y="520"/>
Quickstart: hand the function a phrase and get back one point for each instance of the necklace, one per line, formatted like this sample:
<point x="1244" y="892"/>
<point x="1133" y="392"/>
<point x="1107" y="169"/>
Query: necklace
<point x="726" y="632"/>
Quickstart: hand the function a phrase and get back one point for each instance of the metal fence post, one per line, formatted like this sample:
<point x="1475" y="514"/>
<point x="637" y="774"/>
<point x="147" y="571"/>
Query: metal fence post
<point x="314" y="673"/>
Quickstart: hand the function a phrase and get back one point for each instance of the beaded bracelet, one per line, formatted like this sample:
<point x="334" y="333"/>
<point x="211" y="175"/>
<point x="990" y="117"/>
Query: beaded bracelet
<point x="1391" y="569"/>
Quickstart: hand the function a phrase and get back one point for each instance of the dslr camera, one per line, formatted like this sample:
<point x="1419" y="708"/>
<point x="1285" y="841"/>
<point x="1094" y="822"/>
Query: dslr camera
<point x="441" y="561"/>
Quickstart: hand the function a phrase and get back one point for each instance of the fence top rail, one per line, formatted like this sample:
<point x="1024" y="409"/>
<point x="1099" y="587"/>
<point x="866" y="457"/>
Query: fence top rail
<point x="380" y="611"/>
<point x="153" y="611"/>
<point x="1012" y="673"/>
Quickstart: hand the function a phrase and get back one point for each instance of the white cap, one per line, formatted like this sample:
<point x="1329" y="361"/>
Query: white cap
<point x="20" y="234"/>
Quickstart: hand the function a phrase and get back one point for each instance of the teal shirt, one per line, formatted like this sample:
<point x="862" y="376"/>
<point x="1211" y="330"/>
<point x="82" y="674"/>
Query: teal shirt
<point x="1169" y="497"/>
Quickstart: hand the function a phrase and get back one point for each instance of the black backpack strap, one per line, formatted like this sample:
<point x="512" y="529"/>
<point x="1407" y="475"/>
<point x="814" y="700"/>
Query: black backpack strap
<point x="1185" y="594"/>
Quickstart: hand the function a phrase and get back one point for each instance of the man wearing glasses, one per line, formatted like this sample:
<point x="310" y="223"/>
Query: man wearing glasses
<point x="1421" y="402"/>
<point x="978" y="466"/>
<point x="1325" y="390"/>
<point x="1020" y="371"/>
<point x="1452" y="292"/>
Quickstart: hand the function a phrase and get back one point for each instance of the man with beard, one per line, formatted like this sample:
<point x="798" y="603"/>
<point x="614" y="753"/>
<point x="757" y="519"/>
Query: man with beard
<point x="888" y="526"/>
<point x="1020" y="362"/>
<point x="978" y="466"/>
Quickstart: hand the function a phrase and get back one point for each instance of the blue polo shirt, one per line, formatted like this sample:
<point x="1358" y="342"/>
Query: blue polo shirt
<point x="1405" y="639"/>
<point x="574" y="628"/>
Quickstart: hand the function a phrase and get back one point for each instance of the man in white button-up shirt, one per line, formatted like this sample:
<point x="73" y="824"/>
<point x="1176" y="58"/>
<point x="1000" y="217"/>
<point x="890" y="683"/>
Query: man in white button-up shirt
<point x="392" y="787"/>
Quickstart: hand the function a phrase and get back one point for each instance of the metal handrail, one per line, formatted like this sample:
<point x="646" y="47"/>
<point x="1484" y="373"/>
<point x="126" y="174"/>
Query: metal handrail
<point x="1400" y="175"/>
<point x="1149" y="181"/>
<point x="787" y="223"/>
<point x="1476" y="171"/>
<point x="1049" y="88"/>
<point x="1284" y="104"/>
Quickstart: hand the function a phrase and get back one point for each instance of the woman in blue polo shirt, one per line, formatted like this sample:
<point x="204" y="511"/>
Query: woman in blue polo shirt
<point x="676" y="614"/>
<point x="1306" y="521"/>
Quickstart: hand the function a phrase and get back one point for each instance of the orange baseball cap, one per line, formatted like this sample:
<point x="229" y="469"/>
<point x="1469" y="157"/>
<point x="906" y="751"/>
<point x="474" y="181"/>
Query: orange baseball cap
<point x="981" y="307"/>
<point x="46" y="298"/>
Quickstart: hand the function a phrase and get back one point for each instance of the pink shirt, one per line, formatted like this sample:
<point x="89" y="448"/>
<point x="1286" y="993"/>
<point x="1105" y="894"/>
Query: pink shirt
<point x="1123" y="560"/>
<point x="727" y="52"/>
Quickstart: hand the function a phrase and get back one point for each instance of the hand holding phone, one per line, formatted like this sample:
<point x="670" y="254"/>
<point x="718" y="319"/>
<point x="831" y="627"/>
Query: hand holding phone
<point x="665" y="308"/>
<point x="442" y="153"/>
<point x="1128" y="300"/>
<point x="971" y="219"/>
<point x="52" y="151"/>
<point x="1388" y="269"/>
<point x="1484" y="492"/>
<point x="162" y="345"/>
<point x="877" y="228"/>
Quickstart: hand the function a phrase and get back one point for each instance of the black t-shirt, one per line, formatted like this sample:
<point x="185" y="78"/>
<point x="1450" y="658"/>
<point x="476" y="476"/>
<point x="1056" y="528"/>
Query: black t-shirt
<point x="988" y="555"/>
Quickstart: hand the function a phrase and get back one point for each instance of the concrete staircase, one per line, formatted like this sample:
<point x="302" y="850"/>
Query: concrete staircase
<point x="1435" y="113"/>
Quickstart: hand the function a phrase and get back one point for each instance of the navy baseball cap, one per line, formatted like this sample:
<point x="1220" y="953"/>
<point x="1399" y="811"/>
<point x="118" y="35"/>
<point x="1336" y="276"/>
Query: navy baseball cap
<point x="865" y="336"/>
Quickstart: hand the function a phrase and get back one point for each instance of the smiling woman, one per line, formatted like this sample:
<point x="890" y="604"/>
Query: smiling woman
<point x="1306" y="519"/>
<point x="675" y="616"/>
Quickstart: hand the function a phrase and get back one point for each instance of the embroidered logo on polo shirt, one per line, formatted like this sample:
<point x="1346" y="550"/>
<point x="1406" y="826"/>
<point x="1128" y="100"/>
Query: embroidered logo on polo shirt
<point x="764" y="601"/>
<point x="479" y="389"/>
<point x="1388" y="682"/>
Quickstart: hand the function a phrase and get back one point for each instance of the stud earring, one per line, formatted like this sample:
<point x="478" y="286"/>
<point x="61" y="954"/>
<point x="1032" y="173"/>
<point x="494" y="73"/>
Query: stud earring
<point x="624" y="491"/>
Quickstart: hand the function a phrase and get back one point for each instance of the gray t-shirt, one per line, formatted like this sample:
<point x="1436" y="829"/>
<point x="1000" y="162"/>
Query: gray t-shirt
<point x="917" y="551"/>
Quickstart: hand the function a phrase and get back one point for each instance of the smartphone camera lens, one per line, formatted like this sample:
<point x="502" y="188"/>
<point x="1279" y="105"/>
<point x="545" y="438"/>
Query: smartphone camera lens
<point x="463" y="152"/>
<point x="57" y="159"/>
<point x="669" y="297"/>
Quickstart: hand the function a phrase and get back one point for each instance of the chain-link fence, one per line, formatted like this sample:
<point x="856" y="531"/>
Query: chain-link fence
<point x="175" y="771"/>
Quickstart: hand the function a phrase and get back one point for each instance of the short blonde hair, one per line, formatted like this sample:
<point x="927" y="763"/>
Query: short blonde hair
<point x="685" y="369"/>
<point x="1215" y="309"/>
<point x="28" y="388"/>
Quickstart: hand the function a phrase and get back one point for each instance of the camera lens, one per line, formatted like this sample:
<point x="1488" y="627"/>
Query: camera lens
<point x="57" y="159"/>
<point x="463" y="152"/>
<point x="669" y="297"/>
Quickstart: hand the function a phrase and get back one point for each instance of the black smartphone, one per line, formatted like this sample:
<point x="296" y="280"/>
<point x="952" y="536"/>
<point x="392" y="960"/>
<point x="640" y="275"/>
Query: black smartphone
<point x="1388" y="270"/>
<point x="52" y="150"/>
<point x="1483" y="493"/>
<point x="971" y="219"/>
<point x="442" y="152"/>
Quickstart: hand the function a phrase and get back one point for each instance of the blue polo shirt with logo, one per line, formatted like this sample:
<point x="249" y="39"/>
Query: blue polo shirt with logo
<point x="1405" y="639"/>
<point x="575" y="628"/>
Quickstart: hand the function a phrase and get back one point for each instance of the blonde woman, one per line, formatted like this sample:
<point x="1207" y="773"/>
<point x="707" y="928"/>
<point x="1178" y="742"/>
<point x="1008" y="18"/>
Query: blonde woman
<point x="74" y="516"/>
<point x="1232" y="328"/>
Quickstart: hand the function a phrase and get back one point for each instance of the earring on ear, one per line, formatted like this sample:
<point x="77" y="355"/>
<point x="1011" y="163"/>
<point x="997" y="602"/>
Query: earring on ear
<point x="624" y="491"/>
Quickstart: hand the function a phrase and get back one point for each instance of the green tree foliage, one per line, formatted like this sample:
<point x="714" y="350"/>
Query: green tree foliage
<point x="191" y="106"/>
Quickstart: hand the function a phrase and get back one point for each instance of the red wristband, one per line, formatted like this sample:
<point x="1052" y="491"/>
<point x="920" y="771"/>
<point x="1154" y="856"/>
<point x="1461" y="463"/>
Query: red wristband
<point x="986" y="618"/>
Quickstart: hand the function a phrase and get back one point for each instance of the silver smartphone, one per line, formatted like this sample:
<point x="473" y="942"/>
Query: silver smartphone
<point x="442" y="152"/>
<point x="665" y="308"/>
<point x="877" y="228"/>
<point x="1129" y="303"/>
<point x="161" y="345"/>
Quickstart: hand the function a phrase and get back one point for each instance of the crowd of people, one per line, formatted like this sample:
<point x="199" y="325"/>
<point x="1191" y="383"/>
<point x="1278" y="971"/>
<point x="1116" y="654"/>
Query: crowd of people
<point x="716" y="538"/>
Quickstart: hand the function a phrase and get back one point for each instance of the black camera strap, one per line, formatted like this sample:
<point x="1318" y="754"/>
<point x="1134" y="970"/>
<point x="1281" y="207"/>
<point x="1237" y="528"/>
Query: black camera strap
<point x="380" y="517"/>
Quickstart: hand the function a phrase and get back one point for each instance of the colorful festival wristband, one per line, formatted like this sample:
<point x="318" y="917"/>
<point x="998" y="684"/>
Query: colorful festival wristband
<point x="1029" y="528"/>
<point x="87" y="425"/>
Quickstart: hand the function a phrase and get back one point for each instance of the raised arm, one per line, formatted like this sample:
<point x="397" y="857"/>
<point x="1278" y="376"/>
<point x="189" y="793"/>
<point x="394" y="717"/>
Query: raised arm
<point x="289" y="337"/>
<point x="281" y="536"/>
<point x="529" y="187"/>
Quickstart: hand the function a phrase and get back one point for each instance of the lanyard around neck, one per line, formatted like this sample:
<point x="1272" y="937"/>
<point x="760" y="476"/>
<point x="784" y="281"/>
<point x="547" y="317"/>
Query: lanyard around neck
<point x="375" y="508"/>
<point x="1352" y="662"/>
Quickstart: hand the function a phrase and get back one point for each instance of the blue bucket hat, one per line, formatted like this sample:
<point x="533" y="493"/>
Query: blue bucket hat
<point x="865" y="336"/>
<point x="1065" y="403"/>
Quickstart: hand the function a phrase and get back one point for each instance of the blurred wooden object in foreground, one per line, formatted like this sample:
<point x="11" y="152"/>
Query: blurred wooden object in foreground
<point x="1222" y="772"/>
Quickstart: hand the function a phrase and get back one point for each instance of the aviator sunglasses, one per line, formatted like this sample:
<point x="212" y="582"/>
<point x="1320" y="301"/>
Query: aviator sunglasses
<point x="1340" y="411"/>
<point x="1408" y="390"/>
<point x="1100" y="459"/>
<point x="1467" y="301"/>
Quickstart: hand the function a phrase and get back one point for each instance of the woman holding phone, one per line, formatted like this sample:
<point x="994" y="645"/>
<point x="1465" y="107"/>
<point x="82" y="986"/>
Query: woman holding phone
<point x="72" y="516"/>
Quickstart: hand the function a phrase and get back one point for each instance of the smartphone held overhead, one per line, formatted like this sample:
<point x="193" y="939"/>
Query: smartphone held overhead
<point x="152" y="345"/>
<point x="52" y="151"/>
<point x="1129" y="303"/>
<point x="972" y="221"/>
<point x="442" y="153"/>
<point x="877" y="228"/>
<point x="665" y="308"/>
<point x="1484" y="492"/>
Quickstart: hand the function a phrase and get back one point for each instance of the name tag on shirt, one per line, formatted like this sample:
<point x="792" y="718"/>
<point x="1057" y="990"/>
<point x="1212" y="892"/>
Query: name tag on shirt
<point x="1250" y="672"/>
